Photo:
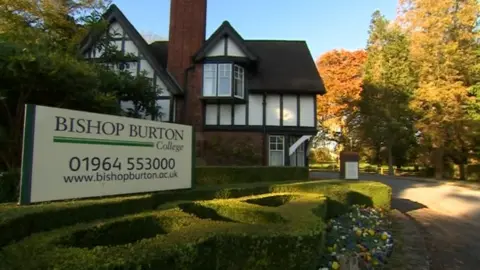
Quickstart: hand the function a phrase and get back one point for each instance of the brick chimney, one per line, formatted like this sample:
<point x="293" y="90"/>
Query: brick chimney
<point x="186" y="36"/>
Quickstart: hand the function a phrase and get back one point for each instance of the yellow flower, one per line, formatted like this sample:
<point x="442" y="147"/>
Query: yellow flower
<point x="358" y="232"/>
<point x="334" y="246"/>
<point x="384" y="236"/>
<point x="371" y="232"/>
<point x="335" y="265"/>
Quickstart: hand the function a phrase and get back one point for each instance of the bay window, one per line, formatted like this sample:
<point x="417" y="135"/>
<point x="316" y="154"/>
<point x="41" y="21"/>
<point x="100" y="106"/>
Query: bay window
<point x="223" y="80"/>
<point x="239" y="78"/>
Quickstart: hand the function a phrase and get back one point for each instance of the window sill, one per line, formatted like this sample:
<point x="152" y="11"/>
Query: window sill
<point x="223" y="100"/>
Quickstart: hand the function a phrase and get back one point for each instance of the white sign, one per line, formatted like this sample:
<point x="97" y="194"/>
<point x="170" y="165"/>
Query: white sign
<point x="351" y="170"/>
<point x="72" y="154"/>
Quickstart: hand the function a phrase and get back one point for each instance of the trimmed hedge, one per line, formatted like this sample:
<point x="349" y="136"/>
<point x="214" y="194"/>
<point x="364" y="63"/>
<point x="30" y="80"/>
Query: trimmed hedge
<point x="231" y="175"/>
<point x="249" y="236"/>
<point x="17" y="222"/>
<point x="9" y="181"/>
<point x="9" y="184"/>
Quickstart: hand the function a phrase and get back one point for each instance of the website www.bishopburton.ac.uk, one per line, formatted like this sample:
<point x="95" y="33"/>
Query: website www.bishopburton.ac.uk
<point x="101" y="177"/>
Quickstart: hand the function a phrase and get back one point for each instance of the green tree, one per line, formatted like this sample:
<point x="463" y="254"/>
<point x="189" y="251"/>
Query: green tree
<point x="39" y="64"/>
<point x="389" y="79"/>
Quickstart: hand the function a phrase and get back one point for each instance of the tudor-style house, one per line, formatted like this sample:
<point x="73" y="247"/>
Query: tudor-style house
<point x="256" y="94"/>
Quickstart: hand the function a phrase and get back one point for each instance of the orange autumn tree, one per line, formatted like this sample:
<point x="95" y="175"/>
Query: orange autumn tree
<point x="341" y="71"/>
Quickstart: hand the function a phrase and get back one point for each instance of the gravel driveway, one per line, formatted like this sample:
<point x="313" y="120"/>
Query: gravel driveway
<point x="450" y="215"/>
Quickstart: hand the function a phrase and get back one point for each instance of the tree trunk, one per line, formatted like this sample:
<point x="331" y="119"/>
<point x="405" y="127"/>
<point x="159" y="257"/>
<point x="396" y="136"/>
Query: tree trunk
<point x="461" y="169"/>
<point x="439" y="152"/>
<point x="390" y="160"/>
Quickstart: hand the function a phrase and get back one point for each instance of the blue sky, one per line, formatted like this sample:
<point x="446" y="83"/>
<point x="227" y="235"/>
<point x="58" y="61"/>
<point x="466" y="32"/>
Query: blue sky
<point x="324" y="24"/>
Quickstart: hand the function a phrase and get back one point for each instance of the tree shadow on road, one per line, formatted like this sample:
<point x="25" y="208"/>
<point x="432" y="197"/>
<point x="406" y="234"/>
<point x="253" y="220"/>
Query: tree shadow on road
<point x="406" y="205"/>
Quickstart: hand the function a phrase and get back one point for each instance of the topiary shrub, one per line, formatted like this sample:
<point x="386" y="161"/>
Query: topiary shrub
<point x="18" y="222"/>
<point x="253" y="241"/>
<point x="230" y="175"/>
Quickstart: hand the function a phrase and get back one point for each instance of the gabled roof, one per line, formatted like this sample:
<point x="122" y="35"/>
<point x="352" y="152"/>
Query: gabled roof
<point x="282" y="66"/>
<point x="225" y="29"/>
<point x="114" y="14"/>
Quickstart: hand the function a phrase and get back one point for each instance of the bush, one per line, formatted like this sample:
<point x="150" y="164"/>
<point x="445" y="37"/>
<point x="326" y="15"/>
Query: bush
<point x="230" y="175"/>
<point x="9" y="184"/>
<point x="473" y="172"/>
<point x="17" y="222"/>
<point x="248" y="236"/>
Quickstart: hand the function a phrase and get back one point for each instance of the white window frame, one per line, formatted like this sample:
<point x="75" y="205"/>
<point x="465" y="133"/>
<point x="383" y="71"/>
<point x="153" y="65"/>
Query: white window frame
<point x="276" y="137"/>
<point x="233" y="72"/>
<point x="238" y="75"/>
<point x="224" y="71"/>
<point x="210" y="68"/>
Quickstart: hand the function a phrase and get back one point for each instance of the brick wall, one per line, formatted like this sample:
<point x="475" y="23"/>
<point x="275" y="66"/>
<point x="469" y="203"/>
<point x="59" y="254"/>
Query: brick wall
<point x="186" y="37"/>
<point x="225" y="148"/>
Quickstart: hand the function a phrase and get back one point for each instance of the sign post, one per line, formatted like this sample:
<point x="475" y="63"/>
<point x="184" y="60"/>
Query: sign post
<point x="349" y="165"/>
<point x="71" y="154"/>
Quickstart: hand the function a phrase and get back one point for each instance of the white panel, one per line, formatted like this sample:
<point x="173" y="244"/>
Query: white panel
<point x="165" y="109"/>
<point x="144" y="65"/>
<point x="117" y="44"/>
<point x="239" y="117"/>
<point x="307" y="111"/>
<point x="225" y="114"/>
<point x="289" y="110"/>
<point x="233" y="49"/>
<point x="130" y="47"/>
<point x="255" y="110"/>
<point x="163" y="88"/>
<point x="211" y="114"/>
<point x="273" y="110"/>
<point x="218" y="49"/>
<point x="116" y="30"/>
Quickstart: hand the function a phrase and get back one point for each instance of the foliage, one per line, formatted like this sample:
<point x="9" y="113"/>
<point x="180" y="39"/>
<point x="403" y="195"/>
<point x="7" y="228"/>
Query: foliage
<point x="389" y="79"/>
<point x="204" y="176"/>
<point x="223" y="233"/>
<point x="17" y="222"/>
<point x="213" y="175"/>
<point x="360" y="234"/>
<point x="321" y="154"/>
<point x="39" y="64"/>
<point x="9" y="188"/>
<point x="443" y="44"/>
<point x="341" y="72"/>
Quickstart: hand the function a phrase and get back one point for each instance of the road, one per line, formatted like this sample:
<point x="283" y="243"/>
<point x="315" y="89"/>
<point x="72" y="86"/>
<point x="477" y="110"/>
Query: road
<point x="449" y="214"/>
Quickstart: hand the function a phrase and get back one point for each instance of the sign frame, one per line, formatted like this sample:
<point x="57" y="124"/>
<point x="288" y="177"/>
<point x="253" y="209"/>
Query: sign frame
<point x="28" y="147"/>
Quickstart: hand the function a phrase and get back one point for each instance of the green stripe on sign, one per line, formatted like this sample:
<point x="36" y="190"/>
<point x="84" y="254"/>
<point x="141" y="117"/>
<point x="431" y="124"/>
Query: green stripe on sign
<point x="73" y="140"/>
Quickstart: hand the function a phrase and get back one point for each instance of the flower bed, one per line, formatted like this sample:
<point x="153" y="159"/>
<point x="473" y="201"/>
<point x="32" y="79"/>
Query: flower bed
<point x="359" y="238"/>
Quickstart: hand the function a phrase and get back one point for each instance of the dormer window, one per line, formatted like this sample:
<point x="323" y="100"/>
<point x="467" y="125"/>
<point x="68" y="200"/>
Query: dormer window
<point x="223" y="80"/>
